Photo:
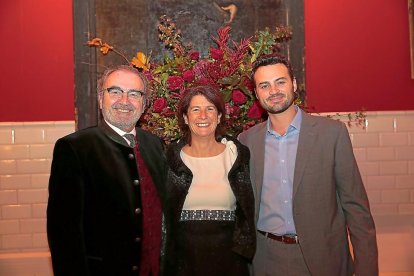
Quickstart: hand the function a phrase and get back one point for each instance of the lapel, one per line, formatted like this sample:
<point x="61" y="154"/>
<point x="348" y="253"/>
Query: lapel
<point x="307" y="138"/>
<point x="112" y="134"/>
<point x="258" y="149"/>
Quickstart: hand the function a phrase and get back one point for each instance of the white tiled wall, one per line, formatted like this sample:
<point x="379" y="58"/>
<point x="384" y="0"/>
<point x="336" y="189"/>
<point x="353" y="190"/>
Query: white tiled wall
<point x="25" y="158"/>
<point x="384" y="152"/>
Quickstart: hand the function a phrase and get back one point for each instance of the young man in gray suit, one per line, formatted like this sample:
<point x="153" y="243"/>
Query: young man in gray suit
<point x="308" y="189"/>
<point x="106" y="188"/>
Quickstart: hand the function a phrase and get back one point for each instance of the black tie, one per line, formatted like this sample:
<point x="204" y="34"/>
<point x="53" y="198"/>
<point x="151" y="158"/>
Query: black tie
<point x="131" y="139"/>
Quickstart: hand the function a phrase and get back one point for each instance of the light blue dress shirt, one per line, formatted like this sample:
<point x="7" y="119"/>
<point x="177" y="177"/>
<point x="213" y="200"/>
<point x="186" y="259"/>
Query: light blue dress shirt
<point x="276" y="214"/>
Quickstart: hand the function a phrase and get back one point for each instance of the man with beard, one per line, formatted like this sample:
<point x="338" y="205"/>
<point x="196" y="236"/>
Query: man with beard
<point x="104" y="215"/>
<point x="308" y="190"/>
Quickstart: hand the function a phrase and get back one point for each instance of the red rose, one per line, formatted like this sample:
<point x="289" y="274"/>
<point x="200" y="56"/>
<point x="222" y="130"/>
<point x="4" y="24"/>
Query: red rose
<point x="194" y="55"/>
<point x="175" y="82"/>
<point x="235" y="111"/>
<point x="217" y="54"/>
<point x="188" y="75"/>
<point x="203" y="81"/>
<point x="159" y="105"/>
<point x="238" y="97"/>
<point x="167" y="112"/>
<point x="249" y="85"/>
<point x="255" y="111"/>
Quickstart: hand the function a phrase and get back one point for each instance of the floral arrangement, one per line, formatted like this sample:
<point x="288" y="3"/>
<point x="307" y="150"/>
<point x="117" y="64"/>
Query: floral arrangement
<point x="227" y="67"/>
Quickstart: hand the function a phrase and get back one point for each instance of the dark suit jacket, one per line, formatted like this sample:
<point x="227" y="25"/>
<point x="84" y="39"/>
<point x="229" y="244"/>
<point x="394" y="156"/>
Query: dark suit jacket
<point x="91" y="223"/>
<point x="329" y="199"/>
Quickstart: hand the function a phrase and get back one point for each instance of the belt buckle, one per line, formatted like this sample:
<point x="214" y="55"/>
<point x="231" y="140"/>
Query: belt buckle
<point x="288" y="239"/>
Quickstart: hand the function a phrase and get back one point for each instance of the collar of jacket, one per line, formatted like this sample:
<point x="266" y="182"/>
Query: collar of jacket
<point x="112" y="134"/>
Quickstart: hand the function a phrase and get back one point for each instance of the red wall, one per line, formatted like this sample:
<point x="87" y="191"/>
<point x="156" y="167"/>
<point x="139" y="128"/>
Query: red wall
<point x="357" y="56"/>
<point x="36" y="65"/>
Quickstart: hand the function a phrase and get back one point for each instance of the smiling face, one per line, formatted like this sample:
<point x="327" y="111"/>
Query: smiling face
<point x="122" y="112"/>
<point x="275" y="88"/>
<point x="202" y="117"/>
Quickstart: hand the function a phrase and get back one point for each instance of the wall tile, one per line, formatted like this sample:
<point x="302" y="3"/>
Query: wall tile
<point x="29" y="135"/>
<point x="6" y="137"/>
<point x="14" y="152"/>
<point x="365" y="140"/>
<point x="8" y="167"/>
<point x="380" y="182"/>
<point x="17" y="241"/>
<point x="405" y="181"/>
<point x="8" y="197"/>
<point x="40" y="180"/>
<point x="9" y="226"/>
<point x="406" y="209"/>
<point x="368" y="168"/>
<point x="39" y="210"/>
<point x="405" y="123"/>
<point x="380" y="124"/>
<point x="53" y="134"/>
<point x="33" y="166"/>
<point x="41" y="151"/>
<point x="395" y="196"/>
<point x="393" y="139"/>
<point x="16" y="211"/>
<point x="411" y="138"/>
<point x="14" y="181"/>
<point x="33" y="196"/>
<point x="374" y="196"/>
<point x="393" y="167"/>
<point x="37" y="225"/>
<point x="405" y="153"/>
<point x="380" y="153"/>
<point x="411" y="167"/>
<point x="360" y="154"/>
<point x="40" y="240"/>
<point x="384" y="209"/>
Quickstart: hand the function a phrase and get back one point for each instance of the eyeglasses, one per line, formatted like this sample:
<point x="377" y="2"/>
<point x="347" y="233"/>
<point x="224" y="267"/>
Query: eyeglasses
<point x="117" y="92"/>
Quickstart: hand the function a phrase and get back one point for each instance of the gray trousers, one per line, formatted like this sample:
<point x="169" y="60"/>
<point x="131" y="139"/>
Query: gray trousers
<point x="274" y="258"/>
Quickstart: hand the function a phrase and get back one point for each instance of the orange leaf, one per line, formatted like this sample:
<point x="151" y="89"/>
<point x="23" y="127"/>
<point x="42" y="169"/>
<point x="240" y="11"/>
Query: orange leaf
<point x="95" y="42"/>
<point x="106" y="48"/>
<point x="141" y="61"/>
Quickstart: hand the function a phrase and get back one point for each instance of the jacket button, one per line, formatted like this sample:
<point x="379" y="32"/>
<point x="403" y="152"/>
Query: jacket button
<point x="130" y="156"/>
<point x="136" y="182"/>
<point x="137" y="239"/>
<point x="134" y="268"/>
<point x="137" y="211"/>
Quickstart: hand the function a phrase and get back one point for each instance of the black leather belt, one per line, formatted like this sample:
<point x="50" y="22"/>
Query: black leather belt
<point x="288" y="239"/>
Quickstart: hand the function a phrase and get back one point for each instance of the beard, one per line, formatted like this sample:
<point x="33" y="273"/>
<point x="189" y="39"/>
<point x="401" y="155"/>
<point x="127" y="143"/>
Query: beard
<point x="127" y="122"/>
<point x="278" y="108"/>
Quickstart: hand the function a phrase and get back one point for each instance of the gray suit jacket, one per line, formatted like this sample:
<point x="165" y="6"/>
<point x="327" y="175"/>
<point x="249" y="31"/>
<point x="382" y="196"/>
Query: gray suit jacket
<point x="329" y="199"/>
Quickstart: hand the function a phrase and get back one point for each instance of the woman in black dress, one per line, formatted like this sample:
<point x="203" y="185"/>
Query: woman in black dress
<point x="209" y="191"/>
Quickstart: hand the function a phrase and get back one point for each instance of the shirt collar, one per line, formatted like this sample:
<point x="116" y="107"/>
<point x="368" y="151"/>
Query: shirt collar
<point x="295" y="124"/>
<point x="120" y="131"/>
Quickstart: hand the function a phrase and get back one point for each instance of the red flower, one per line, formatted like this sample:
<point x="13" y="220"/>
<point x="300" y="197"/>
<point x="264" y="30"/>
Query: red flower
<point x="188" y="75"/>
<point x="238" y="97"/>
<point x="175" y="82"/>
<point x="255" y="111"/>
<point x="249" y="85"/>
<point x="159" y="105"/>
<point x="217" y="54"/>
<point x="236" y="111"/>
<point x="194" y="55"/>
<point x="167" y="112"/>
